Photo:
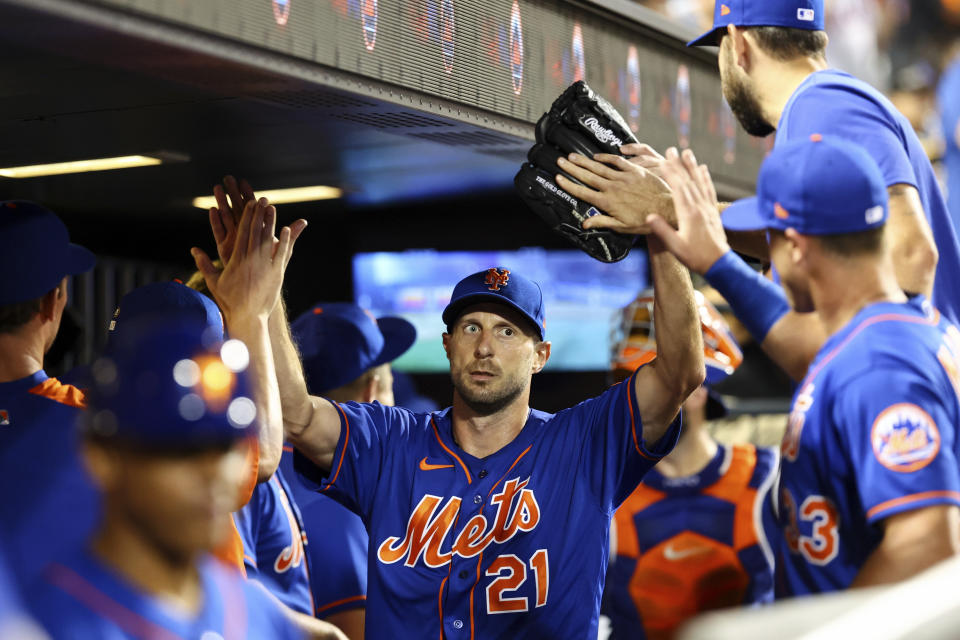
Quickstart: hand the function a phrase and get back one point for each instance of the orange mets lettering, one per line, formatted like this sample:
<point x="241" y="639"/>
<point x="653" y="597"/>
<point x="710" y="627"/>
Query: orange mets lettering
<point x="427" y="530"/>
<point x="497" y="279"/>
<point x="790" y="446"/>
<point x="291" y="556"/>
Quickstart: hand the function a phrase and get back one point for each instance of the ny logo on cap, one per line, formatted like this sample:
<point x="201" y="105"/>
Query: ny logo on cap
<point x="4" y="417"/>
<point x="496" y="279"/>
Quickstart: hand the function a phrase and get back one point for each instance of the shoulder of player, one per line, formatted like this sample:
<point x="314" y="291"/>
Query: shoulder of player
<point x="65" y="394"/>
<point x="880" y="342"/>
<point x="834" y="97"/>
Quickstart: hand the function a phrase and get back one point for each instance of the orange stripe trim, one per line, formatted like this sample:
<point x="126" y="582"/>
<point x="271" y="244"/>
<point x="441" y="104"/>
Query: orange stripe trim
<point x="631" y="397"/>
<point x="288" y="448"/>
<point x="886" y="317"/>
<point x="343" y="451"/>
<point x="58" y="392"/>
<point x="447" y="449"/>
<point x="340" y="602"/>
<point x="916" y="497"/>
<point x="440" y="603"/>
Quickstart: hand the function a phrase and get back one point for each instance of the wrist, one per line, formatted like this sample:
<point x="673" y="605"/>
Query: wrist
<point x="245" y="323"/>
<point x="758" y="303"/>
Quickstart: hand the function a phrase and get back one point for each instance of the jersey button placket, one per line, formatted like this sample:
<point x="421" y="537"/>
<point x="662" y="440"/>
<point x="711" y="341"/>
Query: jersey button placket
<point x="482" y="474"/>
<point x="477" y="499"/>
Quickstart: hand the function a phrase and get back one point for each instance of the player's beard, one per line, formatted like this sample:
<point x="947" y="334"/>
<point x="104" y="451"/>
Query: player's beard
<point x="746" y="108"/>
<point x="490" y="399"/>
<point x="742" y="100"/>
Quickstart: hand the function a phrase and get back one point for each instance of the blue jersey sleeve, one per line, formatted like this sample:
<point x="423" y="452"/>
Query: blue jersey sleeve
<point x="901" y="440"/>
<point x="614" y="456"/>
<point x="247" y="521"/>
<point x="847" y="114"/>
<point x="265" y="617"/>
<point x="365" y="430"/>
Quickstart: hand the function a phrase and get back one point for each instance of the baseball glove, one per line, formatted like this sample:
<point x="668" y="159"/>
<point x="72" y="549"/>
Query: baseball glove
<point x="579" y="121"/>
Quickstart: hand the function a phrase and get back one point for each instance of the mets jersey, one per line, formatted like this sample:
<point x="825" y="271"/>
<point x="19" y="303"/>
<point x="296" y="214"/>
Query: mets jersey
<point x="834" y="103"/>
<point x="273" y="538"/>
<point x="55" y="505"/>
<point x="872" y="433"/>
<point x="337" y="547"/>
<point x="514" y="545"/>
<point x="83" y="598"/>
<point x="691" y="544"/>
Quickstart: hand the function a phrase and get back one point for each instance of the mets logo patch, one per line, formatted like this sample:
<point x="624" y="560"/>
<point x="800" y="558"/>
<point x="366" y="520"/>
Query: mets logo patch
<point x="4" y="417"/>
<point x="496" y="278"/>
<point x="905" y="438"/>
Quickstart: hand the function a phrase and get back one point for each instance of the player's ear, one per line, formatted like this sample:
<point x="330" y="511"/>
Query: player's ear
<point x="50" y="301"/>
<point x="798" y="244"/>
<point x="541" y="353"/>
<point x="741" y="46"/>
<point x="446" y="344"/>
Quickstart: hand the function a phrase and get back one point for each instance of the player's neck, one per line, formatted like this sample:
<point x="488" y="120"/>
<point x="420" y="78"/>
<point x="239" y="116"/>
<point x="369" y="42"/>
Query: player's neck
<point x="863" y="281"/>
<point x="693" y="452"/>
<point x="21" y="355"/>
<point x="780" y="81"/>
<point x="483" y="435"/>
<point x="173" y="579"/>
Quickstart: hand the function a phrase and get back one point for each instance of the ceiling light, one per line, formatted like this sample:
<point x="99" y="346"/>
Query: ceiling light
<point x="281" y="196"/>
<point x="97" y="164"/>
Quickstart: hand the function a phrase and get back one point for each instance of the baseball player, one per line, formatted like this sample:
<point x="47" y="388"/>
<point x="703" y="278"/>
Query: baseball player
<point x="491" y="519"/>
<point x="175" y="302"/>
<point x="775" y="77"/>
<point x="696" y="534"/>
<point x="164" y="442"/>
<point x="346" y="357"/>
<point x="870" y="485"/>
<point x="37" y="442"/>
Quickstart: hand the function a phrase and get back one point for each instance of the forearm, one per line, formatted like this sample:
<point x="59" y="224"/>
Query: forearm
<point x="294" y="396"/>
<point x="912" y="542"/>
<point x="253" y="332"/>
<point x="310" y="423"/>
<point x="791" y="339"/>
<point x="679" y="338"/>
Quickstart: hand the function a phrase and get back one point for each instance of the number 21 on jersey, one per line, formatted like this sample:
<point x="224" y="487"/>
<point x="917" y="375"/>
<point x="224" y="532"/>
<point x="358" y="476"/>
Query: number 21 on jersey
<point x="511" y="572"/>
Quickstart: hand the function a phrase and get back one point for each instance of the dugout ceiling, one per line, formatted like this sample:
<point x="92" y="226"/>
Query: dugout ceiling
<point x="392" y="101"/>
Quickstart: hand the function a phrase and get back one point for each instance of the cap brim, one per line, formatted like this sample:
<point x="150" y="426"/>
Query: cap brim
<point x="79" y="259"/>
<point x="398" y="336"/>
<point x="709" y="39"/>
<point x="743" y="215"/>
<point x="453" y="311"/>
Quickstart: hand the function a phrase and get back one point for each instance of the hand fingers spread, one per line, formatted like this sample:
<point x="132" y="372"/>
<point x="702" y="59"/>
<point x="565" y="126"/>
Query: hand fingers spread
<point x="256" y="225"/>
<point x="269" y="225"/>
<point x="590" y="173"/>
<point x="244" y="230"/>
<point x="247" y="191"/>
<point x="284" y="249"/>
<point x="233" y="190"/>
<point x="667" y="234"/>
<point x="640" y="149"/>
<point x="219" y="233"/>
<point x="579" y="191"/>
<point x="706" y="184"/>
<point x="221" y="197"/>
<point x="603" y="222"/>
<point x="206" y="268"/>
<point x="296" y="229"/>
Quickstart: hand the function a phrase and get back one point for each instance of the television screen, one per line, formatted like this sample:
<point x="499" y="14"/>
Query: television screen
<point x="582" y="298"/>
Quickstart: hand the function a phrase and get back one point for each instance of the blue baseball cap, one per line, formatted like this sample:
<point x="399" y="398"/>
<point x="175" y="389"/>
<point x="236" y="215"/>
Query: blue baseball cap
<point x="163" y="385"/>
<point x="796" y="14"/>
<point x="171" y="301"/>
<point x="339" y="341"/>
<point x="501" y="285"/>
<point x="818" y="187"/>
<point x="37" y="252"/>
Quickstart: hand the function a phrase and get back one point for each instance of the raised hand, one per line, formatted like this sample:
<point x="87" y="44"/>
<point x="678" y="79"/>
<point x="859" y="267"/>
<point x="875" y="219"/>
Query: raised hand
<point x="645" y="156"/>
<point x="252" y="278"/>
<point x="699" y="239"/>
<point x="624" y="190"/>
<point x="225" y="217"/>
